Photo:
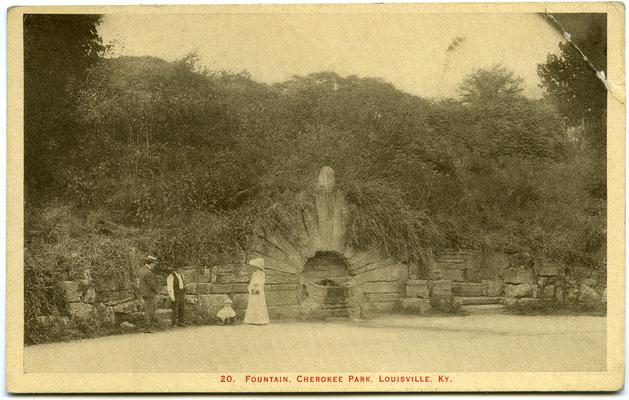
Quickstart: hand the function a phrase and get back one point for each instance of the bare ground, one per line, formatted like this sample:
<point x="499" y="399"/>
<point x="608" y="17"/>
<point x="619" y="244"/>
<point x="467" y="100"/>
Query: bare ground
<point x="476" y="342"/>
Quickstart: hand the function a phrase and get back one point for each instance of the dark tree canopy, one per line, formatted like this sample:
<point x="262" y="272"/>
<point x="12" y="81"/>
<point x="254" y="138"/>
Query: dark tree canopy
<point x="58" y="50"/>
<point x="570" y="82"/>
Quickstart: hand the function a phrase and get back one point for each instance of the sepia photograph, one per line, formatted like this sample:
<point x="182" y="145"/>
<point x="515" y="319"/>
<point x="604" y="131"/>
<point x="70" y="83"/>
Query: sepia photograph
<point x="316" y="198"/>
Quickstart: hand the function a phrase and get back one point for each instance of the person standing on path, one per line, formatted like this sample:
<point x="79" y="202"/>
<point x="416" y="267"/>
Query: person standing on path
<point x="257" y="313"/>
<point x="175" y="287"/>
<point x="148" y="291"/>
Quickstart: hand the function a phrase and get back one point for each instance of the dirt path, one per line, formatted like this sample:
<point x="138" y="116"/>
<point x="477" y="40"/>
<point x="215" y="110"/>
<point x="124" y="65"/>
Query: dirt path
<point x="483" y="342"/>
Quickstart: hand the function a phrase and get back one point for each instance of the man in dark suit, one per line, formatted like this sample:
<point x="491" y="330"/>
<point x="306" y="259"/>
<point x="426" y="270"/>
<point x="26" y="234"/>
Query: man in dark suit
<point x="175" y="287"/>
<point x="149" y="291"/>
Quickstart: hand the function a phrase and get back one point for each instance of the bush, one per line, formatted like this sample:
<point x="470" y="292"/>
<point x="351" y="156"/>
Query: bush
<point x="63" y="245"/>
<point x="381" y="218"/>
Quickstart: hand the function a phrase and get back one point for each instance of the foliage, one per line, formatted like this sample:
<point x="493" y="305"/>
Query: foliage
<point x="490" y="85"/>
<point x="569" y="81"/>
<point x="204" y="239"/>
<point x="185" y="163"/>
<point x="58" y="50"/>
<point x="381" y="218"/>
<point x="66" y="246"/>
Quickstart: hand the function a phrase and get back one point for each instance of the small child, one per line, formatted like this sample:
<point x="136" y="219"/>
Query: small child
<point x="227" y="315"/>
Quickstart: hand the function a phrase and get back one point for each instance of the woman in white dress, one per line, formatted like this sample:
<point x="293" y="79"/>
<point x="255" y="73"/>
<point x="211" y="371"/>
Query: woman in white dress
<point x="257" y="312"/>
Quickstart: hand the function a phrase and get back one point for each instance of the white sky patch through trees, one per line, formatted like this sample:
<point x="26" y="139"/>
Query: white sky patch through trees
<point x="408" y="50"/>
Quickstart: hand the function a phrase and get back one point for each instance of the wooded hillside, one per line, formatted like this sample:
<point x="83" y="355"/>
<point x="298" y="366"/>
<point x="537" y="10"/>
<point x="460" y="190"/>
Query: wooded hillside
<point x="145" y="155"/>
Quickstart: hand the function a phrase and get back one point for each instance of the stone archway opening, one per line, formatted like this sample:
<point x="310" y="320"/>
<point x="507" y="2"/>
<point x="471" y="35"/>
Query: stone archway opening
<point x="326" y="265"/>
<point x="324" y="283"/>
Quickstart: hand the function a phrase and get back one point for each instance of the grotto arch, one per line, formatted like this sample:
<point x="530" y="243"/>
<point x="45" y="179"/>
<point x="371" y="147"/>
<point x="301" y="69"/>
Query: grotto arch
<point x="317" y="248"/>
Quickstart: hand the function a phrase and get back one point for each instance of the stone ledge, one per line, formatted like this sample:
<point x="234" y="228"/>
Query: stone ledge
<point x="417" y="288"/>
<point x="415" y="305"/>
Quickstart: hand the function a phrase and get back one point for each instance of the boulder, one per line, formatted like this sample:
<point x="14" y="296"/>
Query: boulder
<point x="473" y="275"/>
<point x="163" y="302"/>
<point x="548" y="270"/>
<point x="229" y="288"/>
<point x="542" y="281"/>
<point x="468" y="289"/>
<point x="396" y="272"/>
<point x="548" y="292"/>
<point x="106" y="286"/>
<point x="190" y="276"/>
<point x="445" y="304"/>
<point x="588" y="295"/>
<point x="384" y="306"/>
<point x="190" y="288"/>
<point x="80" y="309"/>
<point x="127" y="326"/>
<point x="281" y="297"/>
<point x="284" y="312"/>
<point x="71" y="291"/>
<point x="203" y="288"/>
<point x="240" y="300"/>
<point x="571" y="294"/>
<point x="415" y="305"/>
<point x="441" y="288"/>
<point x="105" y="314"/>
<point x="209" y="304"/>
<point x="382" y="297"/>
<point x="591" y="282"/>
<point x="434" y="275"/>
<point x="521" y="259"/>
<point x="50" y="321"/>
<point x="523" y="304"/>
<point x="281" y="286"/>
<point x="417" y="288"/>
<point x="522" y="290"/>
<point x="204" y="276"/>
<point x="310" y="310"/>
<point x="126" y="306"/>
<point x="354" y="313"/>
<point x="233" y="273"/>
<point x="89" y="295"/>
<point x="510" y="302"/>
<point x="559" y="294"/>
<point x="492" y="288"/>
<point x="494" y="261"/>
<point x="382" y="287"/>
<point x="457" y="275"/>
<point x="163" y="317"/>
<point x="517" y="275"/>
<point x="114" y="295"/>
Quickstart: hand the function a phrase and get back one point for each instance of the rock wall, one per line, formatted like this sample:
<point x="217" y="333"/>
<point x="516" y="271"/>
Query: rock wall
<point x="531" y="286"/>
<point x="469" y="265"/>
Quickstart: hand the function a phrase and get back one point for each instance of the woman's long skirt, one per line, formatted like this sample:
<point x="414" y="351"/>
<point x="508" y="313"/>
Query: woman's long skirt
<point x="257" y="312"/>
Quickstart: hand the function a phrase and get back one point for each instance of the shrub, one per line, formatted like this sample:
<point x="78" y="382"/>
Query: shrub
<point x="382" y="218"/>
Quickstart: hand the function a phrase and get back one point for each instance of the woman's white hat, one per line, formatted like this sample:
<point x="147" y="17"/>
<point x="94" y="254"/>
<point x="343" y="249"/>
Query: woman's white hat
<point x="257" y="262"/>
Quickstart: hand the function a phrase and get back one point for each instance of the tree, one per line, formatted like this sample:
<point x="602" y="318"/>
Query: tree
<point x="500" y="122"/>
<point x="580" y="96"/>
<point x="571" y="83"/>
<point x="489" y="85"/>
<point x="58" y="49"/>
